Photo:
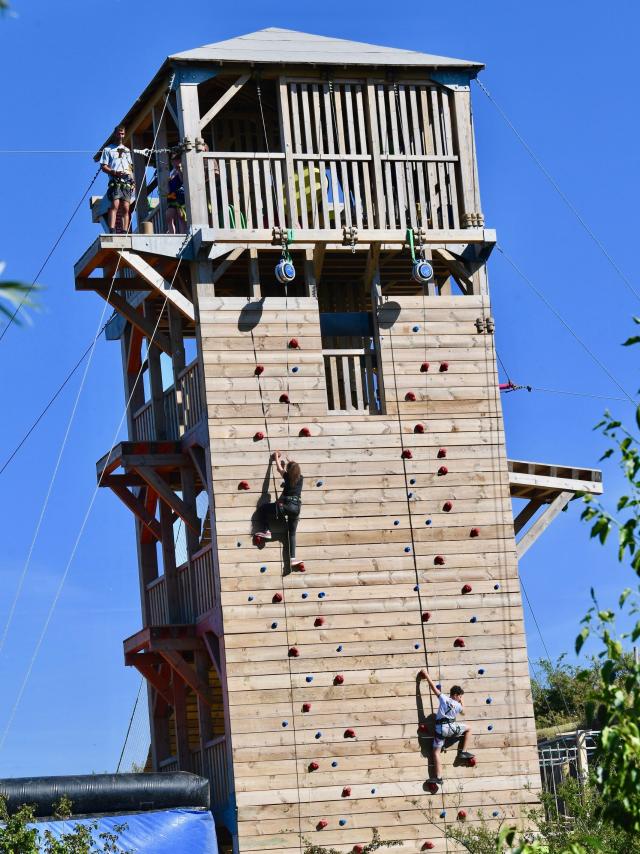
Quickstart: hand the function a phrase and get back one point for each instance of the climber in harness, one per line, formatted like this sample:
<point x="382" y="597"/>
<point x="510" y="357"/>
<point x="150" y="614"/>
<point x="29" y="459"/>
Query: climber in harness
<point x="288" y="506"/>
<point x="446" y="727"/>
<point x="116" y="162"/>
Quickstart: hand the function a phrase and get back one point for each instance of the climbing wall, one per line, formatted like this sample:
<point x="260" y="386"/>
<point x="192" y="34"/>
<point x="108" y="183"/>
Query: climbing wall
<point x="407" y="538"/>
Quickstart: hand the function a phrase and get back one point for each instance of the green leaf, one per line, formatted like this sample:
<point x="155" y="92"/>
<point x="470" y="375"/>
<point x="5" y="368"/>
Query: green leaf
<point x="580" y="640"/>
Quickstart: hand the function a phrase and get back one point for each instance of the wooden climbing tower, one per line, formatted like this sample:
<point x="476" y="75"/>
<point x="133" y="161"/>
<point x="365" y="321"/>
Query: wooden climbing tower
<point x="297" y="692"/>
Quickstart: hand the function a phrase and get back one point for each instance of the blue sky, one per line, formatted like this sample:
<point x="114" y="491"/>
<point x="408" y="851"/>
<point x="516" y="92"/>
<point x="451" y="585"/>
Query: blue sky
<point x="563" y="73"/>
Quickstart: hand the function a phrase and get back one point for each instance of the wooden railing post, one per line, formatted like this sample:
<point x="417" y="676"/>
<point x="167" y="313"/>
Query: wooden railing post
<point x="468" y="191"/>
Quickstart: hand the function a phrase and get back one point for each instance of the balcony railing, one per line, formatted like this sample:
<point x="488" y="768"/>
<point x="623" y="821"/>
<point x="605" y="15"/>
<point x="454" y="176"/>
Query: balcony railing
<point x="352" y="383"/>
<point x="192" y="408"/>
<point x="196" y="591"/>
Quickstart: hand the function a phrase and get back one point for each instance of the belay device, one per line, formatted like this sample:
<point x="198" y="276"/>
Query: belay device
<point x="285" y="271"/>
<point x="421" y="269"/>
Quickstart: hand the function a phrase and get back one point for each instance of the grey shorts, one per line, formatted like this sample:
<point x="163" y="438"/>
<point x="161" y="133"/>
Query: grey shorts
<point x="447" y="730"/>
<point x="121" y="190"/>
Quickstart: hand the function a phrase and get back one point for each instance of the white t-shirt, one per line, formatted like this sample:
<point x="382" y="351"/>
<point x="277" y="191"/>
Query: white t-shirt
<point x="117" y="157"/>
<point x="447" y="708"/>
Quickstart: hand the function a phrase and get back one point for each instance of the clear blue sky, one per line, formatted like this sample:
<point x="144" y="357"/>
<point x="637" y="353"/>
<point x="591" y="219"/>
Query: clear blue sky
<point x="565" y="74"/>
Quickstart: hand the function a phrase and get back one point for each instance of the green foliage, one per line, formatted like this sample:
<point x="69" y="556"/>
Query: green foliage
<point x="17" y="838"/>
<point x="13" y="294"/>
<point x="561" y="694"/>
<point x="374" y="845"/>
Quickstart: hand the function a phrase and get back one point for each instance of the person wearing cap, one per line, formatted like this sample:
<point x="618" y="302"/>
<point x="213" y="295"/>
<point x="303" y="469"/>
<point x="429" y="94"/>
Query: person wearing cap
<point x="446" y="727"/>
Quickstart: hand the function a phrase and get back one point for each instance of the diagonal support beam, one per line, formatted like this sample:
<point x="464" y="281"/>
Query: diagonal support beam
<point x="188" y="674"/>
<point x="158" y="283"/>
<point x="529" y="510"/>
<point x="164" y="491"/>
<point x="456" y="266"/>
<point x="557" y="506"/>
<point x="138" y="509"/>
<point x="223" y="100"/>
<point x="159" y="682"/>
<point x="137" y="319"/>
<point x="223" y="266"/>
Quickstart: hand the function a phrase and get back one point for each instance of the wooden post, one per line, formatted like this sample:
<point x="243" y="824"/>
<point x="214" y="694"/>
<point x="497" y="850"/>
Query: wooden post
<point x="181" y="724"/>
<point x="254" y="275"/>
<point x="205" y="726"/>
<point x="285" y="136"/>
<point x="192" y="160"/>
<point x="155" y="384"/>
<point x="140" y="175"/>
<point x="376" y="301"/>
<point x="471" y="214"/>
<point x="163" y="166"/>
<point x="178" y="362"/>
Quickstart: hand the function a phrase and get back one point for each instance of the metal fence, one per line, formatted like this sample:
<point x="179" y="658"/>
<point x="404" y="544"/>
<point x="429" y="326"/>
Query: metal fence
<point x="564" y="757"/>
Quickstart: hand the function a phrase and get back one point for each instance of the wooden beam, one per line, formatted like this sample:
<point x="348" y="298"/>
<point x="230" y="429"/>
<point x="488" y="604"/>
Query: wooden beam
<point x="152" y="676"/>
<point x="319" y="251"/>
<point x="158" y="283"/>
<point x="456" y="266"/>
<point x="557" y="505"/>
<point x="309" y="274"/>
<point x="188" y="674"/>
<point x="222" y="268"/>
<point x="525" y="514"/>
<point x="373" y="259"/>
<point x="223" y="100"/>
<point x="254" y="275"/>
<point x="138" y="509"/>
<point x="136" y="319"/>
<point x="165" y="492"/>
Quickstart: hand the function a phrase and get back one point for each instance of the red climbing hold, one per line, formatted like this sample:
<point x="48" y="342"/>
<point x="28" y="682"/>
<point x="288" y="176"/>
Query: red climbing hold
<point x="442" y="471"/>
<point x="304" y="431"/>
<point x="426" y="616"/>
<point x="428" y="845"/>
<point x="277" y="597"/>
<point x="472" y="762"/>
<point x="474" y="532"/>
<point x="346" y="792"/>
<point x="322" y="824"/>
<point x="444" y="366"/>
<point x="294" y="652"/>
<point x="244" y="484"/>
<point x="357" y="849"/>
<point x="410" y="395"/>
<point x="461" y="815"/>
<point x="439" y="560"/>
<point x="258" y="541"/>
<point x="258" y="437"/>
<point x="447" y="506"/>
<point x="459" y="642"/>
<point x="319" y="621"/>
<point x="442" y="453"/>
<point x="313" y="766"/>
<point x="299" y="567"/>
<point x="419" y="428"/>
<point x="338" y="679"/>
<point x="467" y="588"/>
<point x="424" y="367"/>
<point x="259" y="370"/>
<point x="432" y="787"/>
<point x="284" y="398"/>
<point x="306" y="707"/>
<point x="349" y="733"/>
<point x="293" y="344"/>
<point x="423" y="728"/>
<point x="407" y="455"/>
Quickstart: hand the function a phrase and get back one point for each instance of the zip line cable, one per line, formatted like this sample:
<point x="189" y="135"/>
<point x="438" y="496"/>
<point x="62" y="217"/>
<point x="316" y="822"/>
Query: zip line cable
<point x="25" y="296"/>
<point x="575" y="335"/>
<point x="560" y="191"/>
<point x="84" y="521"/>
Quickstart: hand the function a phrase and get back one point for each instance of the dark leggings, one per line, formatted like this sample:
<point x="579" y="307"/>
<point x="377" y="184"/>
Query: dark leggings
<point x="272" y="516"/>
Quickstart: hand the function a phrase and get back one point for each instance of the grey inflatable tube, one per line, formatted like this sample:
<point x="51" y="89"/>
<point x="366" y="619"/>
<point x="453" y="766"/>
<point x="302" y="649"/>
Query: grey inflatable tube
<point x="99" y="794"/>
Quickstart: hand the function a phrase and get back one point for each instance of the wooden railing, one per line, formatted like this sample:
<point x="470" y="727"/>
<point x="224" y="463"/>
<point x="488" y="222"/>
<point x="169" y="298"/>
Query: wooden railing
<point x="169" y="764"/>
<point x="196" y="591"/>
<point x="192" y="403"/>
<point x="351" y="381"/>
<point x="211" y="763"/>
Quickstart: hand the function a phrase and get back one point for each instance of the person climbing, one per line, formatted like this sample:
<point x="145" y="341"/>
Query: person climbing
<point x="449" y="707"/>
<point x="116" y="162"/>
<point x="288" y="505"/>
<point x="176" y="211"/>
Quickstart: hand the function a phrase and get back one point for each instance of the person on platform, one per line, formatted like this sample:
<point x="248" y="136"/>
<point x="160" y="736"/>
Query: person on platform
<point x="288" y="505"/>
<point x="446" y="727"/>
<point x="176" y="211"/>
<point x="117" y="163"/>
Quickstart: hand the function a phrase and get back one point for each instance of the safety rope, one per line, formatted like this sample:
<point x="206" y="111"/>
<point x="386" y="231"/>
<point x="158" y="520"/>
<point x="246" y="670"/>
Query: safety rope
<point x="276" y="206"/>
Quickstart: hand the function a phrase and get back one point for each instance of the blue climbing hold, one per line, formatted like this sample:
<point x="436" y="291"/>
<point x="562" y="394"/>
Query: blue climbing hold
<point x="481" y="671"/>
<point x="495" y="813"/>
<point x="263" y="569"/>
<point x="285" y="723"/>
<point x="496" y="587"/>
<point x="342" y="822"/>
<point x="416" y="646"/>
<point x="295" y="369"/>
<point x="490" y="727"/>
<point x="319" y="482"/>
<point x="409" y="494"/>
<point x="407" y="549"/>
<point x="373" y="791"/>
<point x="321" y="594"/>
<point x="250" y="598"/>
<point x="412" y="481"/>
<point x="443" y="814"/>
<point x="427" y="522"/>
<point x="416" y="329"/>
<point x="416" y="588"/>
<point x="309" y="678"/>
<point x="339" y="648"/>
<point x="239" y="544"/>
<point x="473" y="620"/>
<point x="274" y="625"/>
<point x="438" y="686"/>
<point x="396" y="521"/>
<point x="334" y="764"/>
<point x="318" y="734"/>
<point x="305" y="595"/>
<point x="489" y="700"/>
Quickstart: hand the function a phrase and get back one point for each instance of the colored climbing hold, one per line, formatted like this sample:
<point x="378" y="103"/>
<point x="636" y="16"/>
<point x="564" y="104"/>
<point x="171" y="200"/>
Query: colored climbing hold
<point x="442" y="471"/>
<point x="244" y="484"/>
<point x="319" y="482"/>
<point x="407" y="549"/>
<point x="412" y="481"/>
<point x="334" y="764"/>
<point x="438" y="686"/>
<point x="285" y="723"/>
<point x="321" y="594"/>
<point x="277" y="597"/>
<point x="428" y="845"/>
<point x="410" y="396"/>
<point x="293" y="344"/>
<point x="459" y="643"/>
<point x="259" y="370"/>
<point x="496" y="587"/>
<point x="423" y="728"/>
<point x="443" y="814"/>
<point x="416" y="329"/>
<point x="439" y="560"/>
<point x="322" y="824"/>
<point x="416" y="588"/>
<point x="427" y="521"/>
<point x="481" y="671"/>
<point x="306" y="707"/>
<point x="339" y="648"/>
<point x="313" y="766"/>
<point x="409" y="494"/>
<point x="424" y="367"/>
<point x="407" y="454"/>
<point x="426" y="616"/>
<point x="294" y="652"/>
<point x="238" y="544"/>
<point x="349" y="733"/>
<point x="432" y="788"/>
<point x="318" y="734"/>
<point x="258" y="437"/>
<point x="250" y="598"/>
<point x="489" y="700"/>
<point x="274" y="625"/>
<point x="305" y="595"/>
<point x="490" y="727"/>
<point x="284" y="398"/>
<point x="319" y="621"/>
<point x="467" y="588"/>
<point x="461" y="815"/>
<point x="263" y="569"/>
<point x="299" y="567"/>
<point x="357" y="849"/>
<point x="346" y="792"/>
<point x="419" y="428"/>
<point x="342" y="822"/>
<point x="474" y="532"/>
<point x="495" y="813"/>
<point x="338" y="679"/>
<point x="309" y="678"/>
<point x="396" y="522"/>
<point x="473" y="619"/>
<point x="472" y="762"/>
<point x="447" y="506"/>
<point x="295" y="369"/>
<point x="304" y="431"/>
<point x="442" y="453"/>
<point x="444" y="366"/>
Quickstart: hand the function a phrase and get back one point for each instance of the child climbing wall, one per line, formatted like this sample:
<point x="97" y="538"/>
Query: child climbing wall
<point x="409" y="562"/>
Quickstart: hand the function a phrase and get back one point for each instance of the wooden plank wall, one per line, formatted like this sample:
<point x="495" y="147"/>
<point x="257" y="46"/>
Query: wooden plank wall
<point x="355" y="530"/>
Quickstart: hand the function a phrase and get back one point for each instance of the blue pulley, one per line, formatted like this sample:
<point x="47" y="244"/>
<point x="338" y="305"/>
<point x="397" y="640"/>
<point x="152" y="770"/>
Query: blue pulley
<point x="285" y="271"/>
<point x="422" y="271"/>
